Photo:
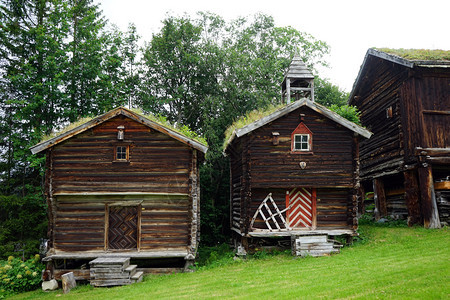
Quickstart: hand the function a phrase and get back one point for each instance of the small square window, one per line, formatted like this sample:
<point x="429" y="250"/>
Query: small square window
<point x="301" y="142"/>
<point x="122" y="153"/>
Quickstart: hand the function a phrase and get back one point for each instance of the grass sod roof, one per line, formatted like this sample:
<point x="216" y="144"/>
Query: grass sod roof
<point x="418" y="54"/>
<point x="248" y="118"/>
<point x="160" y="120"/>
<point x="258" y="115"/>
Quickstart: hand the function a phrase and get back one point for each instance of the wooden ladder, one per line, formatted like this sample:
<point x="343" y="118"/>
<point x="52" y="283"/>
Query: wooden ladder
<point x="271" y="216"/>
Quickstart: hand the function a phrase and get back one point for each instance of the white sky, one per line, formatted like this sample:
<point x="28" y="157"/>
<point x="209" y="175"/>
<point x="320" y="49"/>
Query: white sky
<point x="350" y="27"/>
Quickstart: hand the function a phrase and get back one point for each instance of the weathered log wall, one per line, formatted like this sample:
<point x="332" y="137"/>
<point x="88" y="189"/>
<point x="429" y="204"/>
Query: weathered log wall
<point x="329" y="164"/>
<point x="160" y="178"/>
<point x="80" y="223"/>
<point x="334" y="206"/>
<point x="379" y="103"/>
<point x="426" y="112"/>
<point x="85" y="163"/>
<point x="260" y="167"/>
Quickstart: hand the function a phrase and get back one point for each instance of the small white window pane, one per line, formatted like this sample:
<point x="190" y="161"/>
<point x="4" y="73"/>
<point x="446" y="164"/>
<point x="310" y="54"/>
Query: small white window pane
<point x="301" y="142"/>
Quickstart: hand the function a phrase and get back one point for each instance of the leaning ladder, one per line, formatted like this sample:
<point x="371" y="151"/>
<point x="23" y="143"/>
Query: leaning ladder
<point x="271" y="215"/>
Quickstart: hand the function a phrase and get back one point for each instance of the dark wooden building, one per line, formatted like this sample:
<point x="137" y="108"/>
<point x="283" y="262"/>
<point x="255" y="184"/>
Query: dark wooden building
<point x="406" y="104"/>
<point x="294" y="172"/>
<point x="122" y="185"/>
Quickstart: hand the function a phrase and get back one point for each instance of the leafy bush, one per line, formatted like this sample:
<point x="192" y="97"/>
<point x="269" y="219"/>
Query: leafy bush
<point x="211" y="257"/>
<point x="349" y="112"/>
<point x="23" y="222"/>
<point x="18" y="276"/>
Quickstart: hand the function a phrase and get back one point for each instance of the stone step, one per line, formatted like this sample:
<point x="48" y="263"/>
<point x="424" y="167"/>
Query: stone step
<point x="110" y="262"/>
<point x="137" y="277"/>
<point x="110" y="282"/>
<point x="314" y="245"/>
<point x="312" y="239"/>
<point x="131" y="270"/>
<point x="316" y="253"/>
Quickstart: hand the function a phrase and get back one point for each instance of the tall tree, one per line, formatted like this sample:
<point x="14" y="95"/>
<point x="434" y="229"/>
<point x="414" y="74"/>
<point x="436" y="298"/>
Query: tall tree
<point x="52" y="58"/>
<point x="205" y="72"/>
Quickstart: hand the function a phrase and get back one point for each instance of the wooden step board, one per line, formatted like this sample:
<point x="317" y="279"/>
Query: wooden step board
<point x="108" y="271"/>
<point x="314" y="245"/>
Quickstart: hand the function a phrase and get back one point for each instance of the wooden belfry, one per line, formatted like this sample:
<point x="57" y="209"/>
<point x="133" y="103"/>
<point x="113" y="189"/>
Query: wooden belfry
<point x="298" y="82"/>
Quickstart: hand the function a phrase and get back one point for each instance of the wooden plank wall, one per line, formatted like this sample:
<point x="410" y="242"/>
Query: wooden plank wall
<point x="80" y="222"/>
<point x="165" y="224"/>
<point x="334" y="206"/>
<point x="84" y="163"/>
<point x="383" y="151"/>
<point x="236" y="186"/>
<point x="274" y="166"/>
<point x="426" y="110"/>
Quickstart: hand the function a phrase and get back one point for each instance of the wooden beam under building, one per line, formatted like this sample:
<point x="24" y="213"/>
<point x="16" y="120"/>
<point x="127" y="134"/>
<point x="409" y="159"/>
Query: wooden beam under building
<point x="428" y="197"/>
<point x="412" y="197"/>
<point x="380" y="198"/>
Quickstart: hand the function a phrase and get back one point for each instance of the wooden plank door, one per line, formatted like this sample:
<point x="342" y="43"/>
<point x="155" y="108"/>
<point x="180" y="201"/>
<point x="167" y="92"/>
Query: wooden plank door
<point x="302" y="211"/>
<point x="123" y="227"/>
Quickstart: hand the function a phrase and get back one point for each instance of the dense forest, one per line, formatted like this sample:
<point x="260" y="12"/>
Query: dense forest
<point x="60" y="60"/>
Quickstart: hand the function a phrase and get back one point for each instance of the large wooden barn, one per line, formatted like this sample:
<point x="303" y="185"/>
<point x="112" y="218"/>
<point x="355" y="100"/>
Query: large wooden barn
<point x="405" y="102"/>
<point x="121" y="185"/>
<point x="294" y="172"/>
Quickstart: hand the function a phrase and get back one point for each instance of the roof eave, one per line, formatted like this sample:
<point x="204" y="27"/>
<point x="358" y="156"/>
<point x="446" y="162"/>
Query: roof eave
<point x="382" y="55"/>
<point x="111" y="114"/>
<point x="293" y="106"/>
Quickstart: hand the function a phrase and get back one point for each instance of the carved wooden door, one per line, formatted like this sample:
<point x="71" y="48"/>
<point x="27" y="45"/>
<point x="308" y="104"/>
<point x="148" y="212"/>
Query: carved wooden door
<point x="302" y="210"/>
<point x="123" y="227"/>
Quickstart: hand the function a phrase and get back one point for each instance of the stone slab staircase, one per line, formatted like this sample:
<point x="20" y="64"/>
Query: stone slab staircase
<point x="314" y="245"/>
<point x="107" y="271"/>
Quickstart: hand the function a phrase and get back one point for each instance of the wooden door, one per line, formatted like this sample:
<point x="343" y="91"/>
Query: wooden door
<point x="302" y="211"/>
<point x="123" y="227"/>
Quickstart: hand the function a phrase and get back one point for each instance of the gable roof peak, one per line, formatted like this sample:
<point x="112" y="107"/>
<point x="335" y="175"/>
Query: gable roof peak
<point x="111" y="114"/>
<point x="239" y="132"/>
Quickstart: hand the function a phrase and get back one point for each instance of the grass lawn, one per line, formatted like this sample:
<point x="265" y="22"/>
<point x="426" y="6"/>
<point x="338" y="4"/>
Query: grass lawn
<point x="412" y="263"/>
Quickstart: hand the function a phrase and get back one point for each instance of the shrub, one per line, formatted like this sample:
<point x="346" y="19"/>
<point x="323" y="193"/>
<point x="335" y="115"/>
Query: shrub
<point x="18" y="276"/>
<point x="349" y="112"/>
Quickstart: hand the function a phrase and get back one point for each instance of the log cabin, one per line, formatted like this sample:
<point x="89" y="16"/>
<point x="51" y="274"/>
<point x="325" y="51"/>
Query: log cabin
<point x="294" y="173"/>
<point x="404" y="99"/>
<point x="121" y="185"/>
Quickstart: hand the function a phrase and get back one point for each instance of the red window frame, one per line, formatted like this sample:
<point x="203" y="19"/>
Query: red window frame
<point x="302" y="129"/>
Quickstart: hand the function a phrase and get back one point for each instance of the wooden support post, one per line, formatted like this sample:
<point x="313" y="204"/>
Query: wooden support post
<point x="288" y="90"/>
<point x="361" y="198"/>
<point x="412" y="197"/>
<point x="380" y="198"/>
<point x="428" y="197"/>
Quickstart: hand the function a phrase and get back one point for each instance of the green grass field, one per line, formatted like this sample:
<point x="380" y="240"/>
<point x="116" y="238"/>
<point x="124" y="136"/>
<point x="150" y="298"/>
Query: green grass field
<point x="411" y="263"/>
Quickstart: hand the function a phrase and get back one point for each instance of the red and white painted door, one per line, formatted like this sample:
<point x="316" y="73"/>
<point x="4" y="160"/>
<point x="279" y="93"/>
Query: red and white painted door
<point x="303" y="207"/>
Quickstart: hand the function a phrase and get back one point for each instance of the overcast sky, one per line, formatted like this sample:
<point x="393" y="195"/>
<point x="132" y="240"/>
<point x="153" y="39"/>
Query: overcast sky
<point x="349" y="27"/>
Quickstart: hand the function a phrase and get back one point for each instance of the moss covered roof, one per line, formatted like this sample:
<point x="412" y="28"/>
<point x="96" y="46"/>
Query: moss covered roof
<point x="418" y="54"/>
<point x="182" y="133"/>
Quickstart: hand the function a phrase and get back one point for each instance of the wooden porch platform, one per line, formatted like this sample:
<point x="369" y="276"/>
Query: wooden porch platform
<point x="131" y="254"/>
<point x="288" y="232"/>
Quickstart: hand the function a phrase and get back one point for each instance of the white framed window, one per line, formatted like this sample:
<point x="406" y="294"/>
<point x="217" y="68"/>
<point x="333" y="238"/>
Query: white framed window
<point x="121" y="153"/>
<point x="301" y="142"/>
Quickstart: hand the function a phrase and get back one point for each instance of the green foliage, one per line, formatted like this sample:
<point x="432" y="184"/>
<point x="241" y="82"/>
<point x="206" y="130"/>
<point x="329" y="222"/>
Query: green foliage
<point x="418" y="54"/>
<point x="349" y="112"/>
<point x="213" y="257"/>
<point x="23" y="220"/>
<point x="183" y="129"/>
<point x="58" y="63"/>
<point x="328" y="94"/>
<point x="248" y="118"/>
<point x="205" y="72"/>
<point x="17" y="276"/>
